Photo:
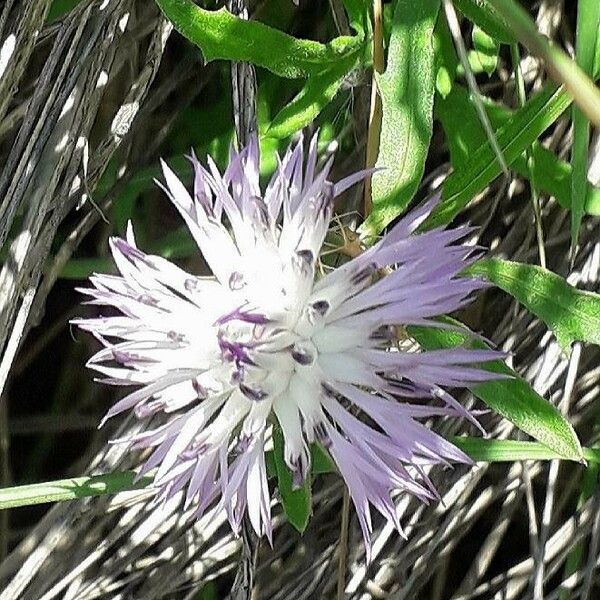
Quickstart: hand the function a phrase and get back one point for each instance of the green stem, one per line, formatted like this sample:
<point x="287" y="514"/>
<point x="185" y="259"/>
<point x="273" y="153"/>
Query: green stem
<point x="478" y="449"/>
<point x="71" y="489"/>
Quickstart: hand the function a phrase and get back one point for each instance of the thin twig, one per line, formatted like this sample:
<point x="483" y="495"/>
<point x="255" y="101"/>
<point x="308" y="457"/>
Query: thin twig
<point x="454" y="26"/>
<point x="535" y="200"/>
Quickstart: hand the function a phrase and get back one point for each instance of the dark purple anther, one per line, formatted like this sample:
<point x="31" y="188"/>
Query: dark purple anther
<point x="245" y="317"/>
<point x="147" y="299"/>
<point x="121" y="357"/>
<point x="320" y="307"/>
<point x="298" y="473"/>
<point x="256" y="395"/>
<point x="306" y="255"/>
<point x="321" y="435"/>
<point x="302" y="356"/>
<point x="364" y="274"/>
<point x="175" y="337"/>
<point x="199" y="389"/>
<point x="232" y="351"/>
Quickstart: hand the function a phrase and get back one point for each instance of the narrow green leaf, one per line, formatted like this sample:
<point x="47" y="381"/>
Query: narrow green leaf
<point x="588" y="28"/>
<point x="572" y="314"/>
<point x="465" y="135"/>
<point x="484" y="15"/>
<point x="407" y="89"/>
<point x="220" y="35"/>
<point x="596" y="70"/>
<point x="517" y="134"/>
<point x="317" y="93"/>
<point x="296" y="502"/>
<point x="512" y="397"/>
<point x="70" y="489"/>
<point x="483" y="450"/>
<point x="486" y="450"/>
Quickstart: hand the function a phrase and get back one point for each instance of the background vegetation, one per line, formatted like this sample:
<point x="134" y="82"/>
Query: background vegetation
<point x="469" y="96"/>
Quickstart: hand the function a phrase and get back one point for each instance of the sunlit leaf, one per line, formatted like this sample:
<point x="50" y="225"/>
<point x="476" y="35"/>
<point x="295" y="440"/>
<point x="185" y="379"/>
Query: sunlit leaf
<point x="465" y="135"/>
<point x="407" y="89"/>
<point x="71" y="489"/>
<point x="318" y="91"/>
<point x="517" y="134"/>
<point x="486" y="450"/>
<point x="220" y="35"/>
<point x="511" y="397"/>
<point x="484" y="56"/>
<point x="572" y="314"/>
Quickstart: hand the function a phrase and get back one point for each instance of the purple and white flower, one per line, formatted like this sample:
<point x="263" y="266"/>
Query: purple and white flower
<point x="271" y="337"/>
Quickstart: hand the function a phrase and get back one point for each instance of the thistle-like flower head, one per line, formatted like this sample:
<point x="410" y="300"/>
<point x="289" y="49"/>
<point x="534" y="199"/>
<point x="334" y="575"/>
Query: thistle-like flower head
<point x="269" y="337"/>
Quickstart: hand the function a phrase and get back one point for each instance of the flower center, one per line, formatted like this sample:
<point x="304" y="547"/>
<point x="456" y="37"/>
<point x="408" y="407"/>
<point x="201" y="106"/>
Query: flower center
<point x="263" y="353"/>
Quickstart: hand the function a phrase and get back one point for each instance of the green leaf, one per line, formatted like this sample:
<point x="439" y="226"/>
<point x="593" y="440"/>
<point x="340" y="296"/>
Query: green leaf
<point x="588" y="28"/>
<point x="488" y="18"/>
<point x="484" y="56"/>
<point x="70" y="489"/>
<point x="59" y="8"/>
<point x="407" y="89"/>
<point x="296" y="502"/>
<point x="220" y="35"/>
<point x="512" y="397"/>
<point x="321" y="461"/>
<point x="465" y="135"/>
<point x="572" y="314"/>
<point x="446" y="61"/>
<point x="318" y="91"/>
<point x="482" y="167"/>
<point x="487" y="450"/>
<point x="358" y="14"/>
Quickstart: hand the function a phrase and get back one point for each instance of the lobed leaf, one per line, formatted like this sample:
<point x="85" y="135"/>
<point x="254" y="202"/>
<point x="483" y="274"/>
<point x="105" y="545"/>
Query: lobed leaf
<point x="220" y="35"/>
